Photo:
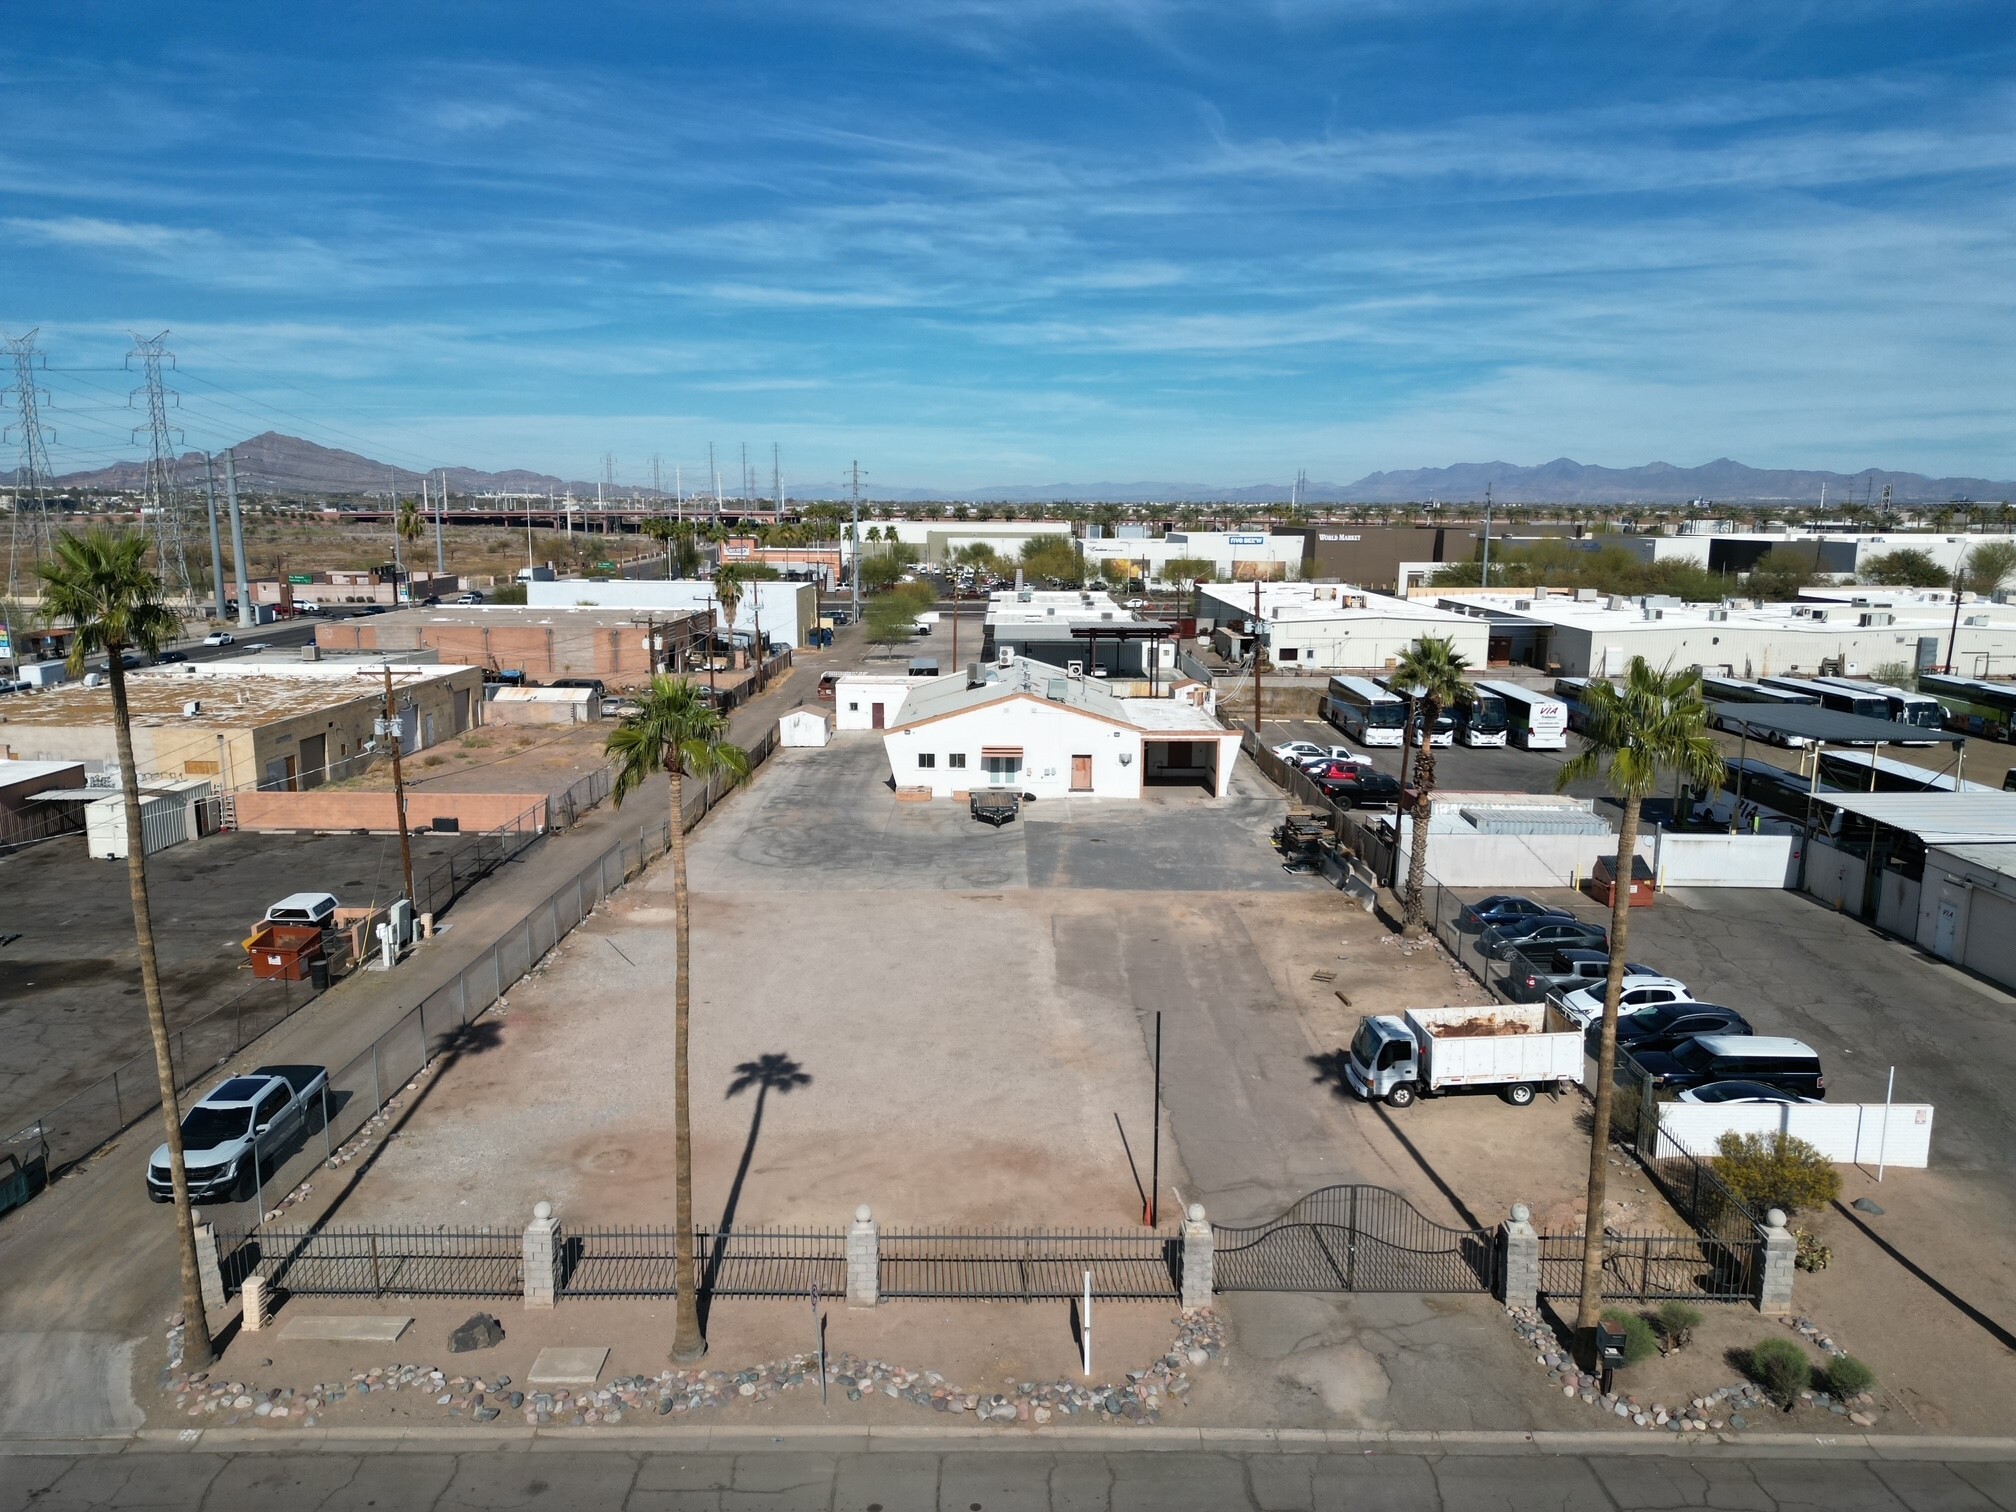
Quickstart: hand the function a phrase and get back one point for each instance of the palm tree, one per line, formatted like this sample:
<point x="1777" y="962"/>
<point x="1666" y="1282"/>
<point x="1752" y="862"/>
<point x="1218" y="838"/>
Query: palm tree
<point x="410" y="528"/>
<point x="677" y="732"/>
<point x="100" y="582"/>
<point x="1656" y="721"/>
<point x="1432" y="670"/>
<point x="730" y="582"/>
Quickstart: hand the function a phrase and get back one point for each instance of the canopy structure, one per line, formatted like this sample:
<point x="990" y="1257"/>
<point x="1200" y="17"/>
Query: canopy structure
<point x="1826" y="726"/>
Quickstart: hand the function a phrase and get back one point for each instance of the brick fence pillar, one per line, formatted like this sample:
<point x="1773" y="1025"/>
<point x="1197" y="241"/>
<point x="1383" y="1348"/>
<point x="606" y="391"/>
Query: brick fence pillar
<point x="1519" y="1262"/>
<point x="864" y="1259"/>
<point x="542" y="1257"/>
<point x="253" y="1295"/>
<point x="1199" y="1257"/>
<point x="1775" y="1265"/>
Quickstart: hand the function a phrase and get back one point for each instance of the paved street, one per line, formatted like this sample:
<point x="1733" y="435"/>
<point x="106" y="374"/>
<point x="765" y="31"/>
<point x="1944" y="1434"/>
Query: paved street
<point x="1471" y="1477"/>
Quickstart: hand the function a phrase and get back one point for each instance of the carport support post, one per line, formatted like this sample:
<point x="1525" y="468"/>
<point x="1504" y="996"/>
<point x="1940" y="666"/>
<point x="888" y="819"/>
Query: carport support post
<point x="1519" y="1273"/>
<point x="542" y="1257"/>
<point x="1778" y="1251"/>
<point x="1199" y="1258"/>
<point x="864" y="1259"/>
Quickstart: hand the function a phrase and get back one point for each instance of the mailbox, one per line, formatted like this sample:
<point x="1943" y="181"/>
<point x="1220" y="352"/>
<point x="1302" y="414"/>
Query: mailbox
<point x="1610" y="1343"/>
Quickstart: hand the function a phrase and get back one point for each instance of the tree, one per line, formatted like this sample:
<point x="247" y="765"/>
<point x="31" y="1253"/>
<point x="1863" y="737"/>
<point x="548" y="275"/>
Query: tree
<point x="1907" y="567"/>
<point x="1657" y="721"/>
<point x="675" y="731"/>
<point x="1115" y="573"/>
<point x="1783" y="570"/>
<point x="980" y="557"/>
<point x="1432" y="671"/>
<point x="1775" y="1170"/>
<point x="100" y="582"/>
<point x="1188" y="570"/>
<point x="1988" y="566"/>
<point x="1052" y="556"/>
<point x="880" y="571"/>
<point x="410" y="528"/>
<point x="682" y="550"/>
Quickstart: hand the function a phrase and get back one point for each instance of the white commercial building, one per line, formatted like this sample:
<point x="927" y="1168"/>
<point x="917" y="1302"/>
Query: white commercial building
<point x="1084" y="628"/>
<point x="786" y="612"/>
<point x="936" y="540"/>
<point x="1328" y="627"/>
<point x="1829" y="552"/>
<point x="872" y="700"/>
<point x="1588" y="634"/>
<point x="1233" y="554"/>
<point x="1031" y="728"/>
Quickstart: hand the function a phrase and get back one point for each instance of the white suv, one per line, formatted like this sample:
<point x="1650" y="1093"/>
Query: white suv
<point x="1639" y="994"/>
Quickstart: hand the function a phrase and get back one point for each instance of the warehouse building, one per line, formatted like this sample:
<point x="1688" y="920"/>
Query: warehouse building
<point x="1326" y="627"/>
<point x="1073" y="628"/>
<point x="276" y="726"/>
<point x="1234" y="555"/>
<point x="1834" y="553"/>
<point x="785" y="613"/>
<point x="610" y="645"/>
<point x="1586" y="634"/>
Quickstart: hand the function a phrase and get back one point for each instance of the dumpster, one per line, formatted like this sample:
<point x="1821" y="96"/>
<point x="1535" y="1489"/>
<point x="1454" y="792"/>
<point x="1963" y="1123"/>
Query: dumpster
<point x="282" y="952"/>
<point x="1601" y="884"/>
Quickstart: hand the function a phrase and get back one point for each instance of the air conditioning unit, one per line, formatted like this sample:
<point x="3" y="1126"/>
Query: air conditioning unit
<point x="1522" y="604"/>
<point x="1976" y="622"/>
<point x="1005" y="657"/>
<point x="192" y="708"/>
<point x="1718" y="616"/>
<point x="1877" y="617"/>
<point x="1075" y="668"/>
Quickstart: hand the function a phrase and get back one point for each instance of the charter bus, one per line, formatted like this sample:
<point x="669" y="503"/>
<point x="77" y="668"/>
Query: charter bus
<point x="1365" y="711"/>
<point x="1534" y="721"/>
<point x="1905" y="707"/>
<point x="1973" y="706"/>
<point x="1750" y="786"/>
<point x="1481" y="716"/>
<point x="1445" y="722"/>
<point x="1569" y="691"/>
<point x="1862" y="772"/>
<point x="1738" y="690"/>
<point x="1858" y="699"/>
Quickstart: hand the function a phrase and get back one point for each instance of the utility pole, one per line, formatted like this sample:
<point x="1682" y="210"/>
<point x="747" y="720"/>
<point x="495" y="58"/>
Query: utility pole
<point x="1258" y="623"/>
<point x="440" y="548"/>
<point x="1484" y="578"/>
<point x="748" y="489"/>
<point x="216" y="544"/>
<point x="777" y="477"/>
<point x="31" y="504"/>
<point x="169" y="551"/>
<point x="1953" y="639"/>
<point x="855" y="554"/>
<point x="398" y="559"/>
<point x="391" y="723"/>
<point x="237" y="541"/>
<point x="714" y="481"/>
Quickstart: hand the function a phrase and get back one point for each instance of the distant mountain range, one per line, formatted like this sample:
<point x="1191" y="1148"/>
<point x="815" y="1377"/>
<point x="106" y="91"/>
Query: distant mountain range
<point x="273" y="462"/>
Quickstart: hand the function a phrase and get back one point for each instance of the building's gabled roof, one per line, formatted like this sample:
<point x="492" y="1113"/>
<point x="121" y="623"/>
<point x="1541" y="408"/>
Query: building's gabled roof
<point x="944" y="696"/>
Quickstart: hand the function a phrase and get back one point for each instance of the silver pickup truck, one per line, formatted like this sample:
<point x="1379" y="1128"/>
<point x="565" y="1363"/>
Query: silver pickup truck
<point x="241" y="1131"/>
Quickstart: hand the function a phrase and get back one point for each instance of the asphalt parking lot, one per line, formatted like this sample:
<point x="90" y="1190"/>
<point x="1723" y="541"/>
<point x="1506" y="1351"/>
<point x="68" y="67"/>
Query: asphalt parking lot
<point x="70" y="1008"/>
<point x="1503" y="769"/>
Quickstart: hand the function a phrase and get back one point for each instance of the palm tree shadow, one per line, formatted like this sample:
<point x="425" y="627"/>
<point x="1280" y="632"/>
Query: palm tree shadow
<point x="775" y="1072"/>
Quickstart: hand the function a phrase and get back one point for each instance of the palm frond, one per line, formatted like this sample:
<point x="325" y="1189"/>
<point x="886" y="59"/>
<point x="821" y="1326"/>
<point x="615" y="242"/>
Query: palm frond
<point x="1656" y="721"/>
<point x="672" y="727"/>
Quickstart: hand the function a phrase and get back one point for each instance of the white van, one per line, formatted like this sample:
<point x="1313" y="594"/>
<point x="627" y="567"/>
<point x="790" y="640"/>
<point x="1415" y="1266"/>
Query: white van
<point x="318" y="909"/>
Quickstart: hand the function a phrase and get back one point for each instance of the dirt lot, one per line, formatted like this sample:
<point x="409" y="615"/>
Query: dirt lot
<point x="498" y="759"/>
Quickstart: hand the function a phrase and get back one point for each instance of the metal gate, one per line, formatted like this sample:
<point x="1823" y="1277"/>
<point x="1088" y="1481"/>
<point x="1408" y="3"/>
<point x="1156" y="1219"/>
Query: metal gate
<point x="1354" y="1239"/>
<point x="1654" y="1266"/>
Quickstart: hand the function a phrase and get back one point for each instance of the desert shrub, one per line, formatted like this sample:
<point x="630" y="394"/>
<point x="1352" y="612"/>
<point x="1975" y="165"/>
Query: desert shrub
<point x="1811" y="1255"/>
<point x="1640" y="1343"/>
<point x="433" y="761"/>
<point x="1781" y="1368"/>
<point x="1848" y="1376"/>
<point x="1776" y="1170"/>
<point x="1677" y="1321"/>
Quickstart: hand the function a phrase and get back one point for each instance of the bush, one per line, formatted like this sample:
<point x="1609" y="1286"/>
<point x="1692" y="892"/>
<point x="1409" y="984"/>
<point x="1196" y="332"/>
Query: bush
<point x="1781" y="1368"/>
<point x="1640" y="1343"/>
<point x="1848" y="1376"/>
<point x="1677" y="1321"/>
<point x="1776" y="1170"/>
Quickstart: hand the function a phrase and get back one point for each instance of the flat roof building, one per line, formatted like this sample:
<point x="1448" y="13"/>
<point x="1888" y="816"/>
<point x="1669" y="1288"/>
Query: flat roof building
<point x="1082" y="626"/>
<point x="786" y="613"/>
<point x="282" y="727"/>
<point x="1233" y="554"/>
<point x="1327" y="627"/>
<point x="544" y="644"/>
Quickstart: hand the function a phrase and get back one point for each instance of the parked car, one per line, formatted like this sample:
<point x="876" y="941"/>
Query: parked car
<point x="1787" y="1064"/>
<point x="316" y="908"/>
<point x="240" y="1131"/>
<point x="169" y="658"/>
<point x="1742" y="1092"/>
<point x="1503" y="908"/>
<point x="1540" y="935"/>
<point x="219" y="638"/>
<point x="1358" y="786"/>
<point x="1299" y="751"/>
<point x="580" y="682"/>
<point x="1663" y="1030"/>
<point x="1566" y="971"/>
<point x="1640" y="993"/>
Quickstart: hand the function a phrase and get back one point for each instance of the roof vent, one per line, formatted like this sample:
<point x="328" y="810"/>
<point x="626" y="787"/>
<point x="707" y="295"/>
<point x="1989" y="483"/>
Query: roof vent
<point x="192" y="708"/>
<point x="1054" y="689"/>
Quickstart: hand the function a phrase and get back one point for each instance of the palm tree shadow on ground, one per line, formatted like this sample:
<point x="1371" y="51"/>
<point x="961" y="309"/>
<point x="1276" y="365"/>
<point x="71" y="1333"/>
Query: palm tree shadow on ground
<point x="775" y="1072"/>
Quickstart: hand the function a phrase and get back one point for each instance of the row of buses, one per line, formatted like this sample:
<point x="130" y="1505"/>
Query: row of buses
<point x="1373" y="712"/>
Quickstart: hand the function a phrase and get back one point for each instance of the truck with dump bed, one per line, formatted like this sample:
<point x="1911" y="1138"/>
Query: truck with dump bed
<point x="1513" y="1049"/>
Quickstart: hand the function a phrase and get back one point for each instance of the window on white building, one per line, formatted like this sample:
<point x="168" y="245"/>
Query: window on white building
<point x="927" y="759"/>
<point x="956" y="759"/>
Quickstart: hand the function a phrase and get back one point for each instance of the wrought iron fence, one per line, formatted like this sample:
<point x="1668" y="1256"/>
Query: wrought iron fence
<point x="1650" y="1266"/>
<point x="744" y="1262"/>
<point x="345" y="1262"/>
<point x="1032" y="1265"/>
<point x="1357" y="1239"/>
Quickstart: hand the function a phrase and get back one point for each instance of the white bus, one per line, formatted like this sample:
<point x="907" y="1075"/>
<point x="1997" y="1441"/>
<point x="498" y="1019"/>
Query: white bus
<point x="1444" y="733"/>
<point x="1906" y="707"/>
<point x="1365" y="711"/>
<point x="1480" y="715"/>
<point x="1535" y="721"/>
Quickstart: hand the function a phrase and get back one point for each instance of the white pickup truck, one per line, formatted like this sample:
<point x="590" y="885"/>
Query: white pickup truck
<point x="1509" y="1048"/>
<point x="240" y="1132"/>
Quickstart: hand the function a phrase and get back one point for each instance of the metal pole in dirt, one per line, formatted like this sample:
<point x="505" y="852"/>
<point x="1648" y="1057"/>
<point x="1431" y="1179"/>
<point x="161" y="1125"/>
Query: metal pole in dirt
<point x="1883" y="1139"/>
<point x="328" y="1150"/>
<point x="1085" y="1324"/>
<point x="1155" y="1166"/>
<point x="820" y="1332"/>
<point x="377" y="1090"/>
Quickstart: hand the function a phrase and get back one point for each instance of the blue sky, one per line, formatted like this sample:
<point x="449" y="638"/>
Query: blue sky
<point x="1014" y="241"/>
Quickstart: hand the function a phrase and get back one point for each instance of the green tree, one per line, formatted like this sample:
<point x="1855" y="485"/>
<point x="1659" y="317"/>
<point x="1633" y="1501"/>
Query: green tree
<point x="677" y="732"/>
<point x="1657" y="721"/>
<point x="1907" y="567"/>
<point x="410" y="526"/>
<point x="880" y="571"/>
<point x="1431" y="670"/>
<point x="1115" y="573"/>
<point x="1988" y="566"/>
<point x="891" y="619"/>
<point x="1052" y="556"/>
<point x="682" y="550"/>
<point x="978" y="555"/>
<point x="1775" y="1170"/>
<point x="100" y="583"/>
<point x="1783" y="570"/>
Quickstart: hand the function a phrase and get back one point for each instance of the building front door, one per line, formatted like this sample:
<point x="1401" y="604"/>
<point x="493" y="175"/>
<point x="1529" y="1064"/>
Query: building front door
<point x="1081" y="774"/>
<point x="875" y="716"/>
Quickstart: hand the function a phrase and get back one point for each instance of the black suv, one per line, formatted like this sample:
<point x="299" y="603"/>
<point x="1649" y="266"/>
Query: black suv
<point x="1567" y="970"/>
<point x="1665" y="1029"/>
<point x="1787" y="1064"/>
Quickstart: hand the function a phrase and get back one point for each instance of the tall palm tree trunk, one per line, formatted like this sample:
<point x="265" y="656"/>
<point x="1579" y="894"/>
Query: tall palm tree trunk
<point x="197" y="1349"/>
<point x="1591" y="1305"/>
<point x="688" y="1343"/>
<point x="1413" y="910"/>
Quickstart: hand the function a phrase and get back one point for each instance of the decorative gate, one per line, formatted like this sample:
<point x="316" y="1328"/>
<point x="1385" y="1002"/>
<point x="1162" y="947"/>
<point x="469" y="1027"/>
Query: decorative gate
<point x="1354" y="1239"/>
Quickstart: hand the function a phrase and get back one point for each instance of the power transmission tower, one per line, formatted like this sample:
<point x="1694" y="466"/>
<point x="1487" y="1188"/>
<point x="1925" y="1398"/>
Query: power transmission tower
<point x="854" y="555"/>
<point x="30" y="534"/>
<point x="777" y="476"/>
<point x="170" y="552"/>
<point x="657" y="475"/>
<point x="748" y="491"/>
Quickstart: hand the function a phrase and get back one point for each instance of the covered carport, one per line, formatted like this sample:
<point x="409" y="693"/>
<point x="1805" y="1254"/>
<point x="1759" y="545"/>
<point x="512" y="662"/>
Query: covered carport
<point x="1819" y="728"/>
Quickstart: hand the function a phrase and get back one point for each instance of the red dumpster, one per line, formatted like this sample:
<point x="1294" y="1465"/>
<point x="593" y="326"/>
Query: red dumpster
<point x="281" y="952"/>
<point x="1601" y="884"/>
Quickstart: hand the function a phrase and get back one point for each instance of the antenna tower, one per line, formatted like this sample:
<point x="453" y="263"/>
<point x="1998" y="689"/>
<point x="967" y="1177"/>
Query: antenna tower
<point x="657" y="475"/>
<point x="30" y="535"/>
<point x="170" y="551"/>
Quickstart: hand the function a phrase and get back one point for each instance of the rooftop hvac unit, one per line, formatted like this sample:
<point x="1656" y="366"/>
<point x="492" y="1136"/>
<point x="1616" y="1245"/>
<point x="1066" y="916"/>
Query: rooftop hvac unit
<point x="1522" y="603"/>
<point x="1585" y="595"/>
<point x="973" y="677"/>
<point x="1075" y="668"/>
<point x="1819" y="616"/>
<point x="1619" y="602"/>
<point x="1718" y="616"/>
<point x="192" y="708"/>
<point x="1976" y="621"/>
<point x="1875" y="617"/>
<point x="1005" y="657"/>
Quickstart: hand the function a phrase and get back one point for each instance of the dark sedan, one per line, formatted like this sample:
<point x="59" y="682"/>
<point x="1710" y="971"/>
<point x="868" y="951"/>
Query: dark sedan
<point x="1663" y="1030"/>
<point x="1501" y="908"/>
<point x="1567" y="971"/>
<point x="1552" y="932"/>
<point x="1353" y="786"/>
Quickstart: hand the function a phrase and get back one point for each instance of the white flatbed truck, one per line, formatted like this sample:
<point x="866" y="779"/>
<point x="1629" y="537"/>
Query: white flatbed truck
<point x="1514" y="1049"/>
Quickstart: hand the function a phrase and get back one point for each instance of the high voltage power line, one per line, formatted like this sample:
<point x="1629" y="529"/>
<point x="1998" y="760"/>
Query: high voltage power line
<point x="31" y="479"/>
